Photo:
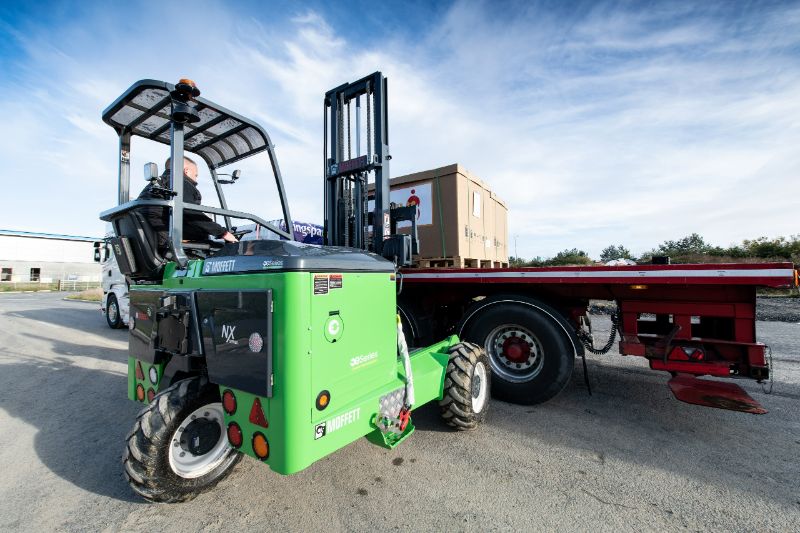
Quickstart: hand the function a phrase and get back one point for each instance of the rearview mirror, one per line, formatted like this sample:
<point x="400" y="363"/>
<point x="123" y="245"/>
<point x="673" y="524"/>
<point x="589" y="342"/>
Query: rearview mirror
<point x="97" y="252"/>
<point x="234" y="176"/>
<point x="150" y="171"/>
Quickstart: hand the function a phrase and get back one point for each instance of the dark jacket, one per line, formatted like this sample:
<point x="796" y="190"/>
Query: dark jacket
<point x="196" y="226"/>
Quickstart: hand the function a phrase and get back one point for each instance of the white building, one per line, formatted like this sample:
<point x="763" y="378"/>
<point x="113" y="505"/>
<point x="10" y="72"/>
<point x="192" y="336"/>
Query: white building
<point x="46" y="258"/>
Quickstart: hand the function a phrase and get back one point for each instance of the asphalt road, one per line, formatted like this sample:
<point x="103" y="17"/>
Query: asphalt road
<point x="629" y="457"/>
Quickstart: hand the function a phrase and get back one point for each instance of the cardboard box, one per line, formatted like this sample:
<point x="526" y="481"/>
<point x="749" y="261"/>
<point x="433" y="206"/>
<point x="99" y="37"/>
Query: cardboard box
<point x="459" y="217"/>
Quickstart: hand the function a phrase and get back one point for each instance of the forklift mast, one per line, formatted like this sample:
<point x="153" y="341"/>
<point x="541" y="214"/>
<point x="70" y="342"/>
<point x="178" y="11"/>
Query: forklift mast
<point x="349" y="160"/>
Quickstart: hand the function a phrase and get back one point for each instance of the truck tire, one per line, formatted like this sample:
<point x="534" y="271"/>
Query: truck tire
<point x="113" y="317"/>
<point x="178" y="446"/>
<point x="467" y="386"/>
<point x="530" y="355"/>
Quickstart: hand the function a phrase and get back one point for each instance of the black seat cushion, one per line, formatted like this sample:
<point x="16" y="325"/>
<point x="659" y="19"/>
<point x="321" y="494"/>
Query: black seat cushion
<point x="140" y="241"/>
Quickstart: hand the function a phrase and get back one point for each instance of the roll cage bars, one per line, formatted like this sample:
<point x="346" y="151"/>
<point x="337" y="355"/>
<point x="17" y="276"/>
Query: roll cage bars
<point x="177" y="116"/>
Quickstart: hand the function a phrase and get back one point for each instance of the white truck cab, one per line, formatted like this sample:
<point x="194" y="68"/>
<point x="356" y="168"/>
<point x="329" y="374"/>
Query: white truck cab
<point x="114" y="304"/>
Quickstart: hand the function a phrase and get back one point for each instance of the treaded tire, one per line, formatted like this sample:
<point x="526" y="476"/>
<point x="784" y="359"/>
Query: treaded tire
<point x="467" y="379"/>
<point x="558" y="354"/>
<point x="146" y="456"/>
<point x="116" y="321"/>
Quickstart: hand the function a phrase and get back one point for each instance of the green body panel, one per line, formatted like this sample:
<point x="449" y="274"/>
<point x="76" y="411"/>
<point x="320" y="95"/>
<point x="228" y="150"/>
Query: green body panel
<point x="341" y="340"/>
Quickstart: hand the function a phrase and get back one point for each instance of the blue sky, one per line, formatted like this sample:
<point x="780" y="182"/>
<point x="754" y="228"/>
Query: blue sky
<point x="597" y="122"/>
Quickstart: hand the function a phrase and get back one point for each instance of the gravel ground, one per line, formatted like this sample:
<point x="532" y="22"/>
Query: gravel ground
<point x="628" y="458"/>
<point x="777" y="309"/>
<point x="771" y="309"/>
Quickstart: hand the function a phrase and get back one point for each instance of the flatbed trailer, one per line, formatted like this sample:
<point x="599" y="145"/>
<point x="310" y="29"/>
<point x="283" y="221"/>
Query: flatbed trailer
<point x="690" y="320"/>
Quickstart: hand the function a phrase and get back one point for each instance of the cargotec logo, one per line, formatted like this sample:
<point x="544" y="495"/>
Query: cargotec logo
<point x="336" y="423"/>
<point x="215" y="267"/>
<point x="363" y="359"/>
<point x="227" y="333"/>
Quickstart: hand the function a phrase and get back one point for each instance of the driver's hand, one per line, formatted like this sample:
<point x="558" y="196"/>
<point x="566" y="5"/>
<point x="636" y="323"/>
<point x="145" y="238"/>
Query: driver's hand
<point x="228" y="237"/>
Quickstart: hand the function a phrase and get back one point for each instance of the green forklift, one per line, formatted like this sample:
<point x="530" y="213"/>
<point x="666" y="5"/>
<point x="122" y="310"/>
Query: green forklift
<point x="269" y="347"/>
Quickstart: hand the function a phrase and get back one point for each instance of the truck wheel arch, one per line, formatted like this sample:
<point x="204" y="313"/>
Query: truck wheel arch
<point x="541" y="307"/>
<point x="542" y="335"/>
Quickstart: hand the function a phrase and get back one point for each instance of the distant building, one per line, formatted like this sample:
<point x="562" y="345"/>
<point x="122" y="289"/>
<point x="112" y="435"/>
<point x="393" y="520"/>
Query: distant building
<point x="43" y="257"/>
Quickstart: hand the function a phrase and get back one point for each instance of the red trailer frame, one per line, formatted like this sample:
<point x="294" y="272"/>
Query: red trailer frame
<point x="685" y="319"/>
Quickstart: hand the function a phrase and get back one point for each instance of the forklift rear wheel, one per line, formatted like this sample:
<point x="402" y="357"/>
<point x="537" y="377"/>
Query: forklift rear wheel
<point x="178" y="447"/>
<point x="466" y="387"/>
<point x="531" y="359"/>
<point x="112" y="312"/>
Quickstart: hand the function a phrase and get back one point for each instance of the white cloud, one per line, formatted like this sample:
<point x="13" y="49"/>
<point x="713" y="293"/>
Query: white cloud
<point x="601" y="124"/>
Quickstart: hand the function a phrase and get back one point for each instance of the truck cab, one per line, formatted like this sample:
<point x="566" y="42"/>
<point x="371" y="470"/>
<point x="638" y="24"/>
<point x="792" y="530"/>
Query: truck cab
<point x="115" y="303"/>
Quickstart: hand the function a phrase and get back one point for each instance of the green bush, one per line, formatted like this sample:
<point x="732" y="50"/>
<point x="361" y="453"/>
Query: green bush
<point x="690" y="249"/>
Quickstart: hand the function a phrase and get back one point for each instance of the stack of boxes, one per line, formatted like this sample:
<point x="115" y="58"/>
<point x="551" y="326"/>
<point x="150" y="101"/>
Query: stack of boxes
<point x="460" y="221"/>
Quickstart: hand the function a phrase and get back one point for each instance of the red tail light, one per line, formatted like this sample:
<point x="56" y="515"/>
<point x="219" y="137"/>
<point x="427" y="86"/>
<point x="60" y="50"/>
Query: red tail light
<point x="229" y="402"/>
<point x="234" y="434"/>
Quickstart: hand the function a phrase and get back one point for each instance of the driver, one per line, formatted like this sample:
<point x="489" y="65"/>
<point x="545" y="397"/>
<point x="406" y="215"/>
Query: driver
<point x="196" y="226"/>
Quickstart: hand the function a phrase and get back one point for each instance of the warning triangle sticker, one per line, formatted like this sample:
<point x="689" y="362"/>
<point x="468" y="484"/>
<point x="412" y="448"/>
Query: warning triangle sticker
<point x="139" y="373"/>
<point x="257" y="414"/>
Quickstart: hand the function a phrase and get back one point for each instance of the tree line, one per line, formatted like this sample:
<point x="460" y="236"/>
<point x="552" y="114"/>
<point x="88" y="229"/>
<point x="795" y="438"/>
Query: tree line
<point x="690" y="249"/>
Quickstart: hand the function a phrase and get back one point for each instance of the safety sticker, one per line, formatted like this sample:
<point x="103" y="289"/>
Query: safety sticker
<point x="335" y="281"/>
<point x="320" y="284"/>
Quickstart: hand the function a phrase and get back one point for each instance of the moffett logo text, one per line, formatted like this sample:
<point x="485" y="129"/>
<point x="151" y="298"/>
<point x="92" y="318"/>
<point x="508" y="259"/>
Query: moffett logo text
<point x="216" y="267"/>
<point x="336" y="423"/>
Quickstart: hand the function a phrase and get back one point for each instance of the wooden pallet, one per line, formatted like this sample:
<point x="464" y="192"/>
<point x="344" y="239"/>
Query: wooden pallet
<point x="458" y="262"/>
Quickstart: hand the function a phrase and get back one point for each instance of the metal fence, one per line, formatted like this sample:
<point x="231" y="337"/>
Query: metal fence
<point x="67" y="285"/>
<point x="62" y="285"/>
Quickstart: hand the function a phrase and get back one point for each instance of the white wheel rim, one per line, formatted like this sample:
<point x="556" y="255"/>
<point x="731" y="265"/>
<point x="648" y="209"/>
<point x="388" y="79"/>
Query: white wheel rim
<point x="479" y="389"/>
<point x="112" y="311"/>
<point x="182" y="461"/>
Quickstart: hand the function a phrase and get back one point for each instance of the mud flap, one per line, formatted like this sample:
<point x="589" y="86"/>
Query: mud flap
<point x="689" y="389"/>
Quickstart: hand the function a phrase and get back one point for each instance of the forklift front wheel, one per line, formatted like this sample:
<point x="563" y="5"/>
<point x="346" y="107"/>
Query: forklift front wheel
<point x="467" y="385"/>
<point x="178" y="447"/>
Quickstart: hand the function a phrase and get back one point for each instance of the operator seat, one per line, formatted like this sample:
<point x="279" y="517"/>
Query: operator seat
<point x="136" y="247"/>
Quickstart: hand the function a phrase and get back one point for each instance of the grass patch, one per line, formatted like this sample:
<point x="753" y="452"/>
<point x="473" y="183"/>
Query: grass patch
<point x="15" y="286"/>
<point x="93" y="295"/>
<point x="778" y="293"/>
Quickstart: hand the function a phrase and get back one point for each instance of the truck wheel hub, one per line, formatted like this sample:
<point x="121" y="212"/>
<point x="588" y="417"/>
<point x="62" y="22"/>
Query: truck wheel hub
<point x="516" y="355"/>
<point x="516" y="350"/>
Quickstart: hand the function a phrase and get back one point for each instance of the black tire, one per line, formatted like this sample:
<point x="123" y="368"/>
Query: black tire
<point x="550" y="369"/>
<point x="467" y="387"/>
<point x="112" y="312"/>
<point x="417" y="326"/>
<point x="146" y="457"/>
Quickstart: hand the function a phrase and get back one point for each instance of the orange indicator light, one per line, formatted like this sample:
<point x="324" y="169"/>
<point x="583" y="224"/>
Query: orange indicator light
<point x="260" y="446"/>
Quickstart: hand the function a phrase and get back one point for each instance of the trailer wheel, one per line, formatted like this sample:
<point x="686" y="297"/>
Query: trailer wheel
<point x="467" y="384"/>
<point x="112" y="312"/>
<point x="178" y="446"/>
<point x="531" y="359"/>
